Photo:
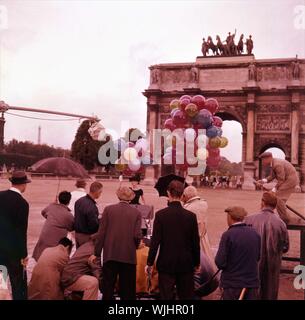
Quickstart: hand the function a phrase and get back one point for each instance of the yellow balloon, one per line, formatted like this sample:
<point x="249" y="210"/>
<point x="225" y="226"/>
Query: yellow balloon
<point x="202" y="154"/>
<point x="215" y="142"/>
<point x="191" y="110"/>
<point x="224" y="142"/>
<point x="130" y="154"/>
<point x="174" y="104"/>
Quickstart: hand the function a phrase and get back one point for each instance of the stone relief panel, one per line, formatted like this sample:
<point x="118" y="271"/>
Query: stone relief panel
<point x="176" y="76"/>
<point x="266" y="122"/>
<point x="267" y="108"/>
<point x="273" y="73"/>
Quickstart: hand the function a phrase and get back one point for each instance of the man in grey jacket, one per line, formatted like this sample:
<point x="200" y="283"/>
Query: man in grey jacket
<point x="118" y="237"/>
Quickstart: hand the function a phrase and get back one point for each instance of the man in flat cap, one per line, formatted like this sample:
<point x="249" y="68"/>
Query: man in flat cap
<point x="14" y="211"/>
<point x="238" y="256"/>
<point x="274" y="235"/>
<point x="287" y="180"/>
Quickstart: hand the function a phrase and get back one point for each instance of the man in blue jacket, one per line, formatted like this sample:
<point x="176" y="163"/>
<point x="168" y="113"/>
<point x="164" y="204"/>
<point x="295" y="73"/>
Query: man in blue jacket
<point x="238" y="256"/>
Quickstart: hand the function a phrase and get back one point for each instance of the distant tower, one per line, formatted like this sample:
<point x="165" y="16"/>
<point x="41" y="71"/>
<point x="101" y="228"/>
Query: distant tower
<point x="39" y="135"/>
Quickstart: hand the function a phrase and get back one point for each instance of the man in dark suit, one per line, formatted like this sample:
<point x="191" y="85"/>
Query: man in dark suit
<point x="238" y="256"/>
<point x="175" y="233"/>
<point x="86" y="214"/>
<point x="119" y="236"/>
<point x="14" y="211"/>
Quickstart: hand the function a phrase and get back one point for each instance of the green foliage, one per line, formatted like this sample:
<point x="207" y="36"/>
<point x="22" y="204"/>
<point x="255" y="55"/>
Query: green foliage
<point x="230" y="168"/>
<point x="23" y="154"/>
<point x="84" y="148"/>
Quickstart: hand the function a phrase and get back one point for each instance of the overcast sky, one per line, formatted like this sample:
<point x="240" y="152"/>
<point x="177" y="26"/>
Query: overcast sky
<point x="92" y="57"/>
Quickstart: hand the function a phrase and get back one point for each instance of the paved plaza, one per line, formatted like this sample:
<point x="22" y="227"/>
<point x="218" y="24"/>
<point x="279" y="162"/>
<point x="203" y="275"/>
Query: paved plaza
<point x="41" y="192"/>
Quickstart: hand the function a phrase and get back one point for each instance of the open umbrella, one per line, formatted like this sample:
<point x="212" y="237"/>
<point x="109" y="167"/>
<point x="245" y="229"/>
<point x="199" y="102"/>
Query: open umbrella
<point x="164" y="181"/>
<point x="60" y="166"/>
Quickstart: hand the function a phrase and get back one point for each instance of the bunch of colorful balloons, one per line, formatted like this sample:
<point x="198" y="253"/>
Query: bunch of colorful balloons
<point x="191" y="114"/>
<point x="133" y="155"/>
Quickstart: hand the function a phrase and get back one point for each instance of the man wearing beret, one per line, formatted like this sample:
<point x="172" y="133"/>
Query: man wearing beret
<point x="275" y="242"/>
<point x="14" y="211"/>
<point x="238" y="256"/>
<point x="287" y="180"/>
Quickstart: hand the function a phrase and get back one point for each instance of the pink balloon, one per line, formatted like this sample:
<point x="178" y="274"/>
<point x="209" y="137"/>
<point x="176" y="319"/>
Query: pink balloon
<point x="168" y="124"/>
<point x="186" y="96"/>
<point x="129" y="144"/>
<point x="217" y="121"/>
<point x="184" y="102"/>
<point x="179" y="119"/>
<point x="212" y="105"/>
<point x="199" y="101"/>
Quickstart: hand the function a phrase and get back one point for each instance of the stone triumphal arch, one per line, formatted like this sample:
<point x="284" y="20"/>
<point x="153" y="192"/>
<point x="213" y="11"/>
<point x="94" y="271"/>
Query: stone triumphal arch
<point x="267" y="97"/>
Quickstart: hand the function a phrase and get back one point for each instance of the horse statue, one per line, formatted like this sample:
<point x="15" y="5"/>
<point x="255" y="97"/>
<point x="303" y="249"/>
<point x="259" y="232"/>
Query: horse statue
<point x="240" y="45"/>
<point x="212" y="46"/>
<point x="222" y="48"/>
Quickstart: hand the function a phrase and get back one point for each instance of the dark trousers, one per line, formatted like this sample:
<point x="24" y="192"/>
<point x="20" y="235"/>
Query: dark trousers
<point x="127" y="280"/>
<point x="184" y="284"/>
<point x="234" y="294"/>
<point x="18" y="278"/>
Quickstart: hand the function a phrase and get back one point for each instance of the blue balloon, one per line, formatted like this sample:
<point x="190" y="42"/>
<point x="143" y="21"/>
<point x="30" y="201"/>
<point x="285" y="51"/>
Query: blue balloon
<point x="119" y="145"/>
<point x="219" y="132"/>
<point x="204" y="119"/>
<point x="212" y="132"/>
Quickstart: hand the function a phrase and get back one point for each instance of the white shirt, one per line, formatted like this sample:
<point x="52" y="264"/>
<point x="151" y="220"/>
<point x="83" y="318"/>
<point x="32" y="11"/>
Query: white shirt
<point x="15" y="190"/>
<point x="75" y="195"/>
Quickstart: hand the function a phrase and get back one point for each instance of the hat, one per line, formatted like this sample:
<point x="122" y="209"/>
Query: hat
<point x="19" y="177"/>
<point x="125" y="193"/>
<point x="237" y="213"/>
<point x="265" y="155"/>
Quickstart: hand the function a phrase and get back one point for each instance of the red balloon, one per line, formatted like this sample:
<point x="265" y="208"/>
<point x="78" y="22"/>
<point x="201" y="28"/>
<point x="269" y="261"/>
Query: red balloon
<point x="213" y="152"/>
<point x="179" y="119"/>
<point x="212" y="105"/>
<point x="184" y="102"/>
<point x="213" y="162"/>
<point x="217" y="121"/>
<point x="199" y="101"/>
<point x="168" y="124"/>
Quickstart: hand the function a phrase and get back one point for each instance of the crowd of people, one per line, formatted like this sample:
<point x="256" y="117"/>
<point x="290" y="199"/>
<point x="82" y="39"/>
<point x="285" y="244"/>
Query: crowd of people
<point x="112" y="255"/>
<point x="222" y="181"/>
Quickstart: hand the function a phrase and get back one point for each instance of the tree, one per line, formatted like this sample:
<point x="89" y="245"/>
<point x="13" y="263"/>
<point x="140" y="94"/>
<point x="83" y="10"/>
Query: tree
<point x="84" y="148"/>
<point x="23" y="154"/>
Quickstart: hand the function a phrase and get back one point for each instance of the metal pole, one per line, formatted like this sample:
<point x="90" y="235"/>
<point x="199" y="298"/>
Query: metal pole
<point x="53" y="112"/>
<point x="2" y="122"/>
